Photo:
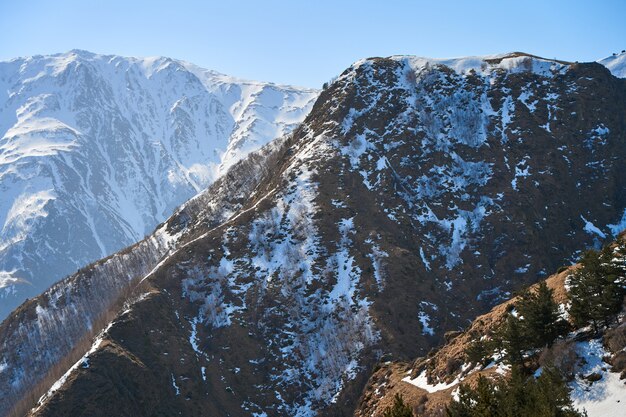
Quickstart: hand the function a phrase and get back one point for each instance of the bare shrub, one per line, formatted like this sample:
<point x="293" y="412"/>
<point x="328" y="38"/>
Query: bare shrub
<point x="562" y="356"/>
<point x="615" y="339"/>
<point x="618" y="362"/>
<point x="420" y="406"/>
<point x="453" y="365"/>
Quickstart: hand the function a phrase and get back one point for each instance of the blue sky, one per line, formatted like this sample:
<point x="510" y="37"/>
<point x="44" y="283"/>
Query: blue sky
<point x="308" y="42"/>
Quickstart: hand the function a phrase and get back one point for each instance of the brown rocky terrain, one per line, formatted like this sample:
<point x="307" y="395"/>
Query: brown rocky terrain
<point x="443" y="365"/>
<point x="448" y="366"/>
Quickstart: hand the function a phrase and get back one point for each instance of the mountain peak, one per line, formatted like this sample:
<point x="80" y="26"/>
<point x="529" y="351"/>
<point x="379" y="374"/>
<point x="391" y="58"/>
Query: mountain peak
<point x="616" y="63"/>
<point x="148" y="65"/>
<point x="81" y="52"/>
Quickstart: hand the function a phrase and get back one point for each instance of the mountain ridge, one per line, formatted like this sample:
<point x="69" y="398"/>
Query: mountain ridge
<point x="86" y="54"/>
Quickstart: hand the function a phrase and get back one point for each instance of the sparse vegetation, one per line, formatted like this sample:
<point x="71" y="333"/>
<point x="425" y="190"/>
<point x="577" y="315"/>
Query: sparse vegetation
<point x="615" y="341"/>
<point x="478" y="352"/>
<point x="519" y="395"/>
<point x="398" y="409"/>
<point x="561" y="356"/>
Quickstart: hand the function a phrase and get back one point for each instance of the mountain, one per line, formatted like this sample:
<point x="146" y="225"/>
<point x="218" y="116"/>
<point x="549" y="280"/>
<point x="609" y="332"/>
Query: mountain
<point x="616" y="64"/>
<point x="416" y="195"/>
<point x="591" y="362"/>
<point x="96" y="150"/>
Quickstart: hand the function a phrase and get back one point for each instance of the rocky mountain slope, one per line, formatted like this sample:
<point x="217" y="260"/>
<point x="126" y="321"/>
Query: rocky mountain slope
<point x="593" y="361"/>
<point x="96" y="150"/>
<point x="46" y="332"/>
<point x="416" y="195"/>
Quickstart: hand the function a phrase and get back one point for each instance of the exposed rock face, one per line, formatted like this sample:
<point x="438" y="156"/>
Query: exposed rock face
<point x="416" y="195"/>
<point x="96" y="150"/>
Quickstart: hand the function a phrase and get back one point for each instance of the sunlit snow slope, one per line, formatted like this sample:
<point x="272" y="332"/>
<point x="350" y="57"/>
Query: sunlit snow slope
<point x="616" y="64"/>
<point x="96" y="150"/>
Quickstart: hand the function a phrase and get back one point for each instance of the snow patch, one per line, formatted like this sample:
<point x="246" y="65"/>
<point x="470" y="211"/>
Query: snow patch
<point x="424" y="319"/>
<point x="603" y="398"/>
<point x="176" y="388"/>
<point x="488" y="64"/>
<point x="619" y="226"/>
<point x="376" y="257"/>
<point x="591" y="228"/>
<point x="424" y="260"/>
<point x="616" y="64"/>
<point x="421" y="381"/>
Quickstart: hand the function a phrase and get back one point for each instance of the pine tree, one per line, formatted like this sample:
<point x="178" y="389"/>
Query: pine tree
<point x="614" y="290"/>
<point x="519" y="395"/>
<point x="463" y="406"/>
<point x="486" y="398"/>
<point x="481" y="401"/>
<point x="477" y="352"/>
<point x="513" y="342"/>
<point x="551" y="396"/>
<point x="398" y="409"/>
<point x="541" y="324"/>
<point x="583" y="290"/>
<point x="596" y="289"/>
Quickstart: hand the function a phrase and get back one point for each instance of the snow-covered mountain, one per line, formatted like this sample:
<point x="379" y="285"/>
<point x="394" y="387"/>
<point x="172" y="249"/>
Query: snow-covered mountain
<point x="417" y="194"/>
<point x="96" y="150"/>
<point x="616" y="64"/>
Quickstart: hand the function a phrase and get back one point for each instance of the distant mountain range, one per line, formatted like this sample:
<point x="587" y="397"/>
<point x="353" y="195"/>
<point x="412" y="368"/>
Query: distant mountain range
<point x="96" y="150"/>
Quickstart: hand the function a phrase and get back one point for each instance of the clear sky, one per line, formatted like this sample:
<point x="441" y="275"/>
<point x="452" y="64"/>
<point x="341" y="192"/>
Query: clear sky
<point x="308" y="42"/>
